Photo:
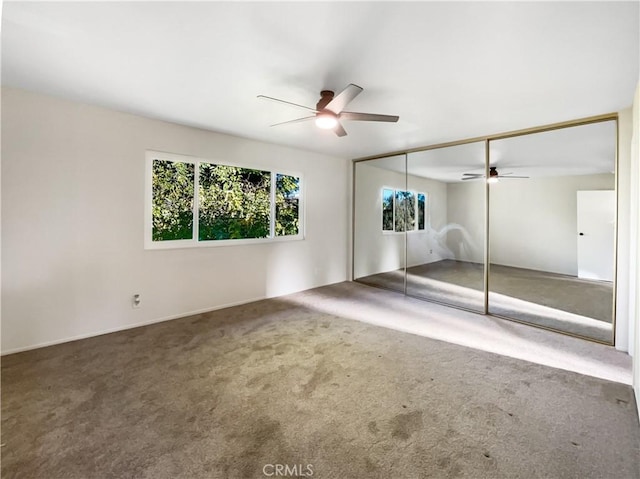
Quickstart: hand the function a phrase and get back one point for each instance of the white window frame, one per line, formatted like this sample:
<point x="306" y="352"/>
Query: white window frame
<point x="415" y="193"/>
<point x="151" y="155"/>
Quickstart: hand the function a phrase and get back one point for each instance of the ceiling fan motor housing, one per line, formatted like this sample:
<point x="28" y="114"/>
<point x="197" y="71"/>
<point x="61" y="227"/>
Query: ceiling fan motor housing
<point x="325" y="97"/>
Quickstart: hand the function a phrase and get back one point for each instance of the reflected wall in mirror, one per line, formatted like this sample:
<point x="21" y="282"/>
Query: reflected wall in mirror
<point x="445" y="255"/>
<point x="552" y="232"/>
<point x="383" y="211"/>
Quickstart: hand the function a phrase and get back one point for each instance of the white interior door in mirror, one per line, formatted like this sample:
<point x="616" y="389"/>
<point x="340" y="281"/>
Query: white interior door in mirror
<point x="596" y="234"/>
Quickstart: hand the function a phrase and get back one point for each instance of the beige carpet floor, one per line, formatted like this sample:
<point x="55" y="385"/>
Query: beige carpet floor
<point x="304" y="380"/>
<point x="555" y="301"/>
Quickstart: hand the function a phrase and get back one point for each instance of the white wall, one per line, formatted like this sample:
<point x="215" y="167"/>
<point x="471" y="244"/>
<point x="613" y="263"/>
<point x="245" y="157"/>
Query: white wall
<point x="72" y="224"/>
<point x="634" y="301"/>
<point x="465" y="212"/>
<point x="624" y="293"/>
<point x="429" y="245"/>
<point x="532" y="222"/>
<point x="377" y="251"/>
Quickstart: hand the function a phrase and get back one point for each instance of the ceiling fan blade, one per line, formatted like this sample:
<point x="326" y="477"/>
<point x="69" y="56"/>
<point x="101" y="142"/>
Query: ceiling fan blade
<point x="471" y="178"/>
<point x="306" y="118"/>
<point x="344" y="97"/>
<point x="477" y="175"/>
<point x="339" y="130"/>
<point x="509" y="177"/>
<point x="287" y="103"/>
<point x="355" y="116"/>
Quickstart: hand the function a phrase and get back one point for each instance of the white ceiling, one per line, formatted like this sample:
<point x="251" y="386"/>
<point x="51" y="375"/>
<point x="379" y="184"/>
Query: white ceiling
<point x="449" y="70"/>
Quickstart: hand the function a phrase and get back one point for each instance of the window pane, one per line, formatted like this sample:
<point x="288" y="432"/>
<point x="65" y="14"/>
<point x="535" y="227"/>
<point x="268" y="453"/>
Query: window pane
<point x="234" y="202"/>
<point x="421" y="210"/>
<point x="287" y="205"/>
<point x="172" y="200"/>
<point x="405" y="211"/>
<point x="387" y="210"/>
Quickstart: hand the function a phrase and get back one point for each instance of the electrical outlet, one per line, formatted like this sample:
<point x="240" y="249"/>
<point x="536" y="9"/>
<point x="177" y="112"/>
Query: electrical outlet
<point x="430" y="251"/>
<point x="135" y="301"/>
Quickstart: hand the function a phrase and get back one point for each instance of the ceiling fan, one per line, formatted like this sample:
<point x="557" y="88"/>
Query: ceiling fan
<point x="330" y="109"/>
<point x="494" y="176"/>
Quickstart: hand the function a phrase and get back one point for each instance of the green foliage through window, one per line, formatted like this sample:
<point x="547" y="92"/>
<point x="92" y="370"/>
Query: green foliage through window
<point x="287" y="205"/>
<point x="421" y="210"/>
<point x="400" y="209"/>
<point x="233" y="202"/>
<point x="405" y="211"/>
<point x="172" y="202"/>
<point x="387" y="210"/>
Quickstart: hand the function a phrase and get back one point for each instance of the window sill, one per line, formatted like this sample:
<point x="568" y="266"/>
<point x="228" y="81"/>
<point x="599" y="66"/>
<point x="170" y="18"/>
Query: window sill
<point x="182" y="244"/>
<point x="402" y="232"/>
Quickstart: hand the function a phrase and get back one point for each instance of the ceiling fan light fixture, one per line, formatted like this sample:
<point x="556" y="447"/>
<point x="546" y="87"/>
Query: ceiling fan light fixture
<point x="326" y="121"/>
<point x="493" y="175"/>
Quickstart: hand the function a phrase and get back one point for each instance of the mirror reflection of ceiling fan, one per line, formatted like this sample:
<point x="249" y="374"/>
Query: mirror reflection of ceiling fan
<point x="330" y="110"/>
<point x="494" y="176"/>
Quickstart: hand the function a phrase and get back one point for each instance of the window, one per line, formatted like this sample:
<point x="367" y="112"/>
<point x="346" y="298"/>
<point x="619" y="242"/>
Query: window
<point x="221" y="204"/>
<point x="287" y="205"/>
<point x="387" y="210"/>
<point x="403" y="210"/>
<point x="172" y="202"/>
<point x="234" y="203"/>
<point x="422" y="203"/>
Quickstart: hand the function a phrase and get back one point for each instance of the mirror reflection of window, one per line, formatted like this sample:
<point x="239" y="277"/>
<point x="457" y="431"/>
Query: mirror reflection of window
<point x="387" y="210"/>
<point x="421" y="210"/>
<point x="405" y="211"/>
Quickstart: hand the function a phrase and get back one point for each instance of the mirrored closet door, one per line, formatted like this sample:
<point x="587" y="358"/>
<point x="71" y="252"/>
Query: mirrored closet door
<point x="520" y="225"/>
<point x="552" y="229"/>
<point x="445" y="240"/>
<point x="381" y="219"/>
